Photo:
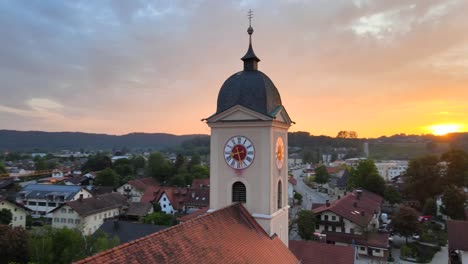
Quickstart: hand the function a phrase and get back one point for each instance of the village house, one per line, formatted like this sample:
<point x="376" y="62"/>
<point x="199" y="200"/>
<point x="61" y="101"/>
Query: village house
<point x="88" y="214"/>
<point x="43" y="198"/>
<point x="457" y="241"/>
<point x="18" y="211"/>
<point x="354" y="217"/>
<point x="135" y="189"/>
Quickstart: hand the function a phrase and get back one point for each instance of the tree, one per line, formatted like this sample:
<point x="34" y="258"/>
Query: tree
<point x="305" y="224"/>
<point x="307" y="156"/>
<point x="298" y="197"/>
<point x="457" y="167"/>
<point x="159" y="218"/>
<point x="453" y="200"/>
<point x="100" y="241"/>
<point x="430" y="207"/>
<point x="405" y="222"/>
<point x="123" y="167"/>
<point x="107" y="177"/>
<point x="138" y="162"/>
<point x="2" y="168"/>
<point x="366" y="176"/>
<point x="194" y="161"/>
<point x="40" y="164"/>
<point x="13" y="244"/>
<point x="200" y="172"/>
<point x="5" y="217"/>
<point x="392" y="195"/>
<point x="423" y="178"/>
<point x="321" y="175"/>
<point x="347" y="134"/>
<point x="179" y="162"/>
<point x="97" y="162"/>
<point x="159" y="168"/>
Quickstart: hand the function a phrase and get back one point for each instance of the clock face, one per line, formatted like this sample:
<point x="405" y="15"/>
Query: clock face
<point x="279" y="152"/>
<point x="239" y="152"/>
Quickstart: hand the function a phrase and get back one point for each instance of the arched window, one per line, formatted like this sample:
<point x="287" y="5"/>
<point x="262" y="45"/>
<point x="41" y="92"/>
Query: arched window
<point x="239" y="193"/>
<point x="280" y="196"/>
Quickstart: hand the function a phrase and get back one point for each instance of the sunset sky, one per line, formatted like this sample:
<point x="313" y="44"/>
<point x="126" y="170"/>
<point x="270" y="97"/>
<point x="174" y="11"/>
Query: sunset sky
<point x="375" y="67"/>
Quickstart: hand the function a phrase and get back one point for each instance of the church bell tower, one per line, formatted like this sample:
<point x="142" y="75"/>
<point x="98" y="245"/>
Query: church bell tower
<point x="249" y="139"/>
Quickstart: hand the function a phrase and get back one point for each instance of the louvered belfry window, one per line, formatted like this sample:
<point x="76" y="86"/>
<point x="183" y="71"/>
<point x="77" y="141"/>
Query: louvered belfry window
<point x="280" y="196"/>
<point x="239" y="193"/>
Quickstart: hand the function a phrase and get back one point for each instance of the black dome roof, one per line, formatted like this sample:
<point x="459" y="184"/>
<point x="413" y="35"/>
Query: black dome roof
<point x="251" y="89"/>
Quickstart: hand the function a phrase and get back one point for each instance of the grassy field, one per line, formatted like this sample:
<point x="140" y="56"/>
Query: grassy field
<point x="403" y="151"/>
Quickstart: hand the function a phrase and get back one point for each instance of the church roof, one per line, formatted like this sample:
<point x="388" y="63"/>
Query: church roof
<point x="251" y="89"/>
<point x="228" y="235"/>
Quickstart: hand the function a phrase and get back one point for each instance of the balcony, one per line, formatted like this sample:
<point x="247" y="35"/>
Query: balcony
<point x="331" y="223"/>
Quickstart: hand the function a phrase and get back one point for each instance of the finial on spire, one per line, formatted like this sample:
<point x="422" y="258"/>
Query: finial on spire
<point x="250" y="16"/>
<point x="250" y="59"/>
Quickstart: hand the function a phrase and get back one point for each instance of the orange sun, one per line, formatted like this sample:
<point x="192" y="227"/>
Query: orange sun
<point x="444" y="129"/>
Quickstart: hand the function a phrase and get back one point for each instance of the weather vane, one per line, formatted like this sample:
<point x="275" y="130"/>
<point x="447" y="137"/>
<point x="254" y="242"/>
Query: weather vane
<point x="250" y="15"/>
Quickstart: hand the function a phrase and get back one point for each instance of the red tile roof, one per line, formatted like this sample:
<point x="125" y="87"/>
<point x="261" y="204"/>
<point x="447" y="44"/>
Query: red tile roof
<point x="198" y="183"/>
<point x="148" y="195"/>
<point x="368" y="202"/>
<point x="176" y="195"/>
<point x="379" y="240"/>
<point x="321" y="253"/>
<point x="292" y="180"/>
<point x="193" y="215"/>
<point x="228" y="235"/>
<point x="457" y="235"/>
<point x="142" y="184"/>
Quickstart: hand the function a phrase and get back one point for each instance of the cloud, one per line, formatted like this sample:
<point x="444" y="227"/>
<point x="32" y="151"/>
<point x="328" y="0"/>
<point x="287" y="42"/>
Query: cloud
<point x="123" y="66"/>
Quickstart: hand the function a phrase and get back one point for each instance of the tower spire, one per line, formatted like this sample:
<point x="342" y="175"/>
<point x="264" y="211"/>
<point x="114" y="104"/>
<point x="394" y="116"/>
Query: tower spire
<point x="250" y="59"/>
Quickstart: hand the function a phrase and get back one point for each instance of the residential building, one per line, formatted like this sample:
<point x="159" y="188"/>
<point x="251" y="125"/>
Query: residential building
<point x="354" y="217"/>
<point x="198" y="195"/>
<point x="88" y="214"/>
<point x="457" y="241"/>
<point x="41" y="199"/>
<point x="321" y="253"/>
<point x="128" y="231"/>
<point x="390" y="169"/>
<point x="137" y="211"/>
<point x="135" y="189"/>
<point x="18" y="211"/>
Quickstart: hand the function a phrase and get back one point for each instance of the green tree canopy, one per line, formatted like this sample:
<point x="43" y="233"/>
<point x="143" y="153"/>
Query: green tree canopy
<point x="159" y="218"/>
<point x="13" y="244"/>
<point x="430" y="207"/>
<point x="97" y="162"/>
<point x="107" y="177"/>
<point x="306" y="224"/>
<point x="453" y="200"/>
<point x="405" y="222"/>
<point x="392" y="195"/>
<point x="2" y="168"/>
<point x="5" y="216"/>
<point x="138" y="162"/>
<point x="321" y="175"/>
<point x="159" y="168"/>
<point x="423" y="178"/>
<point x="457" y="168"/>
<point x="366" y="176"/>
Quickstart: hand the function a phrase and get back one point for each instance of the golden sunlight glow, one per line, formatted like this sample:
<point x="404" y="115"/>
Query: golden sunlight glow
<point x="443" y="129"/>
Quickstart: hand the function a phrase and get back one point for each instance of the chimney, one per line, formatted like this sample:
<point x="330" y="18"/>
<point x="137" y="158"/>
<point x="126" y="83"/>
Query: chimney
<point x="355" y="204"/>
<point x="345" y="192"/>
<point x="339" y="197"/>
<point x="363" y="213"/>
<point x="81" y="198"/>
<point x="359" y="194"/>
<point x="327" y="203"/>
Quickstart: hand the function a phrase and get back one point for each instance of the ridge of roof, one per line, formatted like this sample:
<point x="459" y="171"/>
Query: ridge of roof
<point x="162" y="245"/>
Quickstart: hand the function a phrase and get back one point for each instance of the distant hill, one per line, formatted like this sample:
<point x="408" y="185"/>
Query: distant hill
<point x="12" y="140"/>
